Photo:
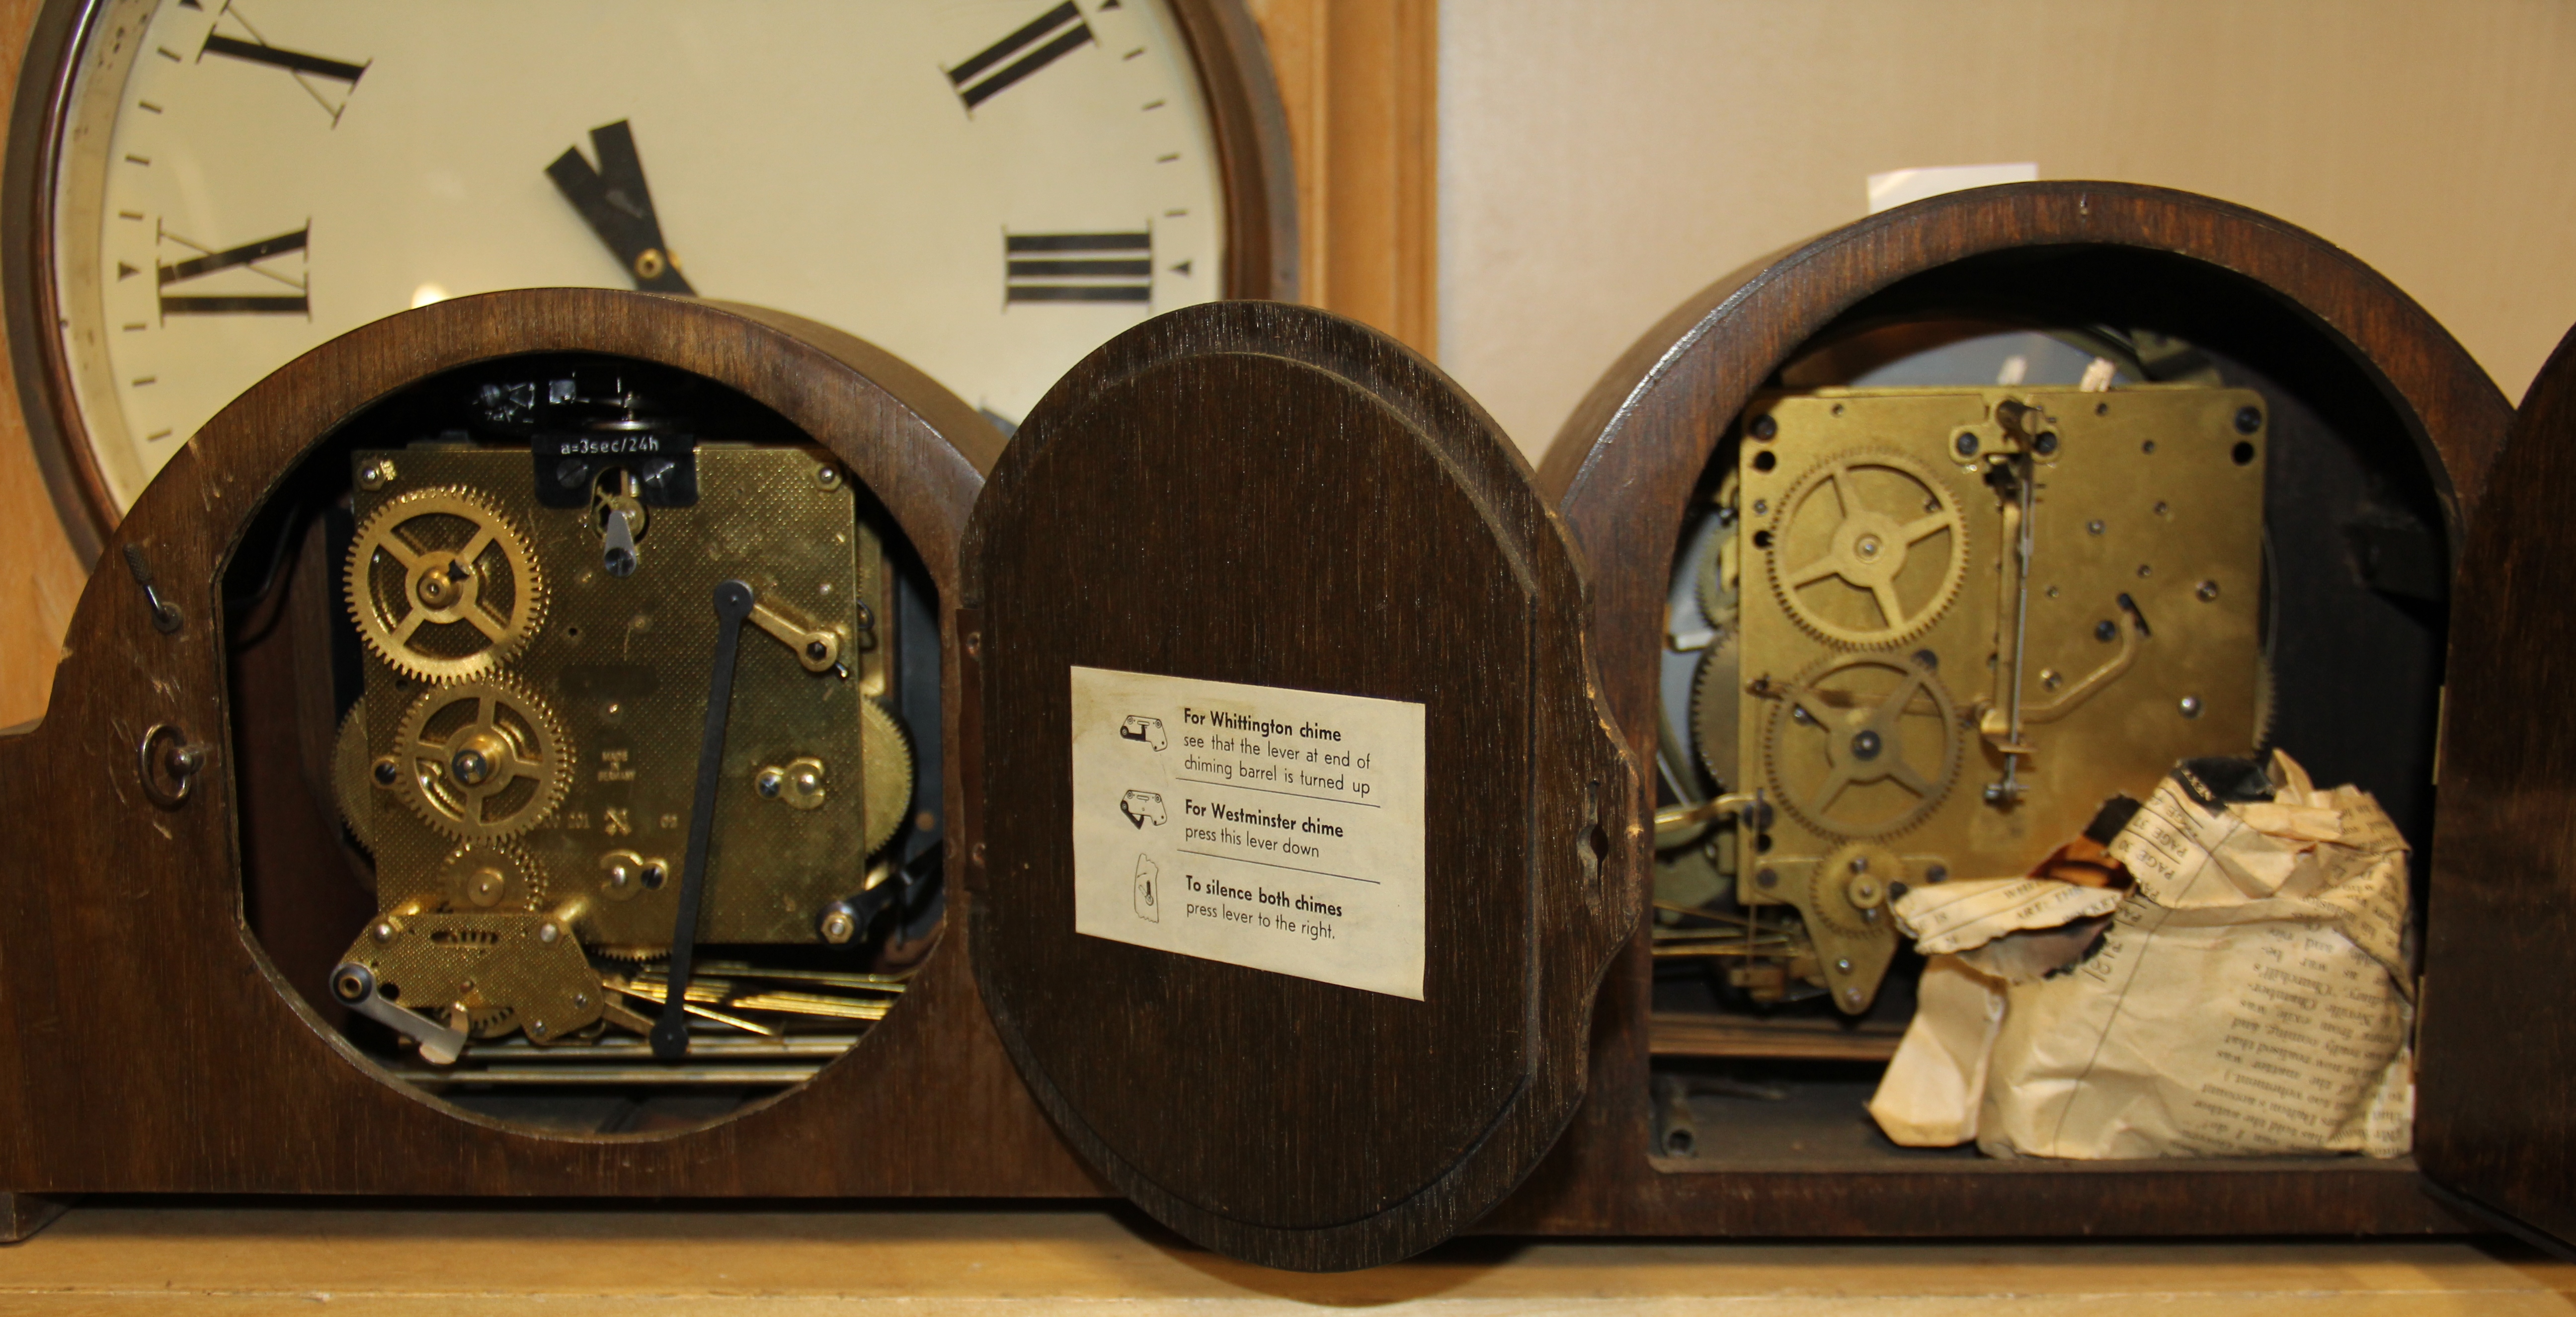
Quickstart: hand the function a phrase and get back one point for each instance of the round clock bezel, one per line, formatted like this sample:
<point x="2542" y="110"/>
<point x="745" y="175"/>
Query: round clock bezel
<point x="1236" y="84"/>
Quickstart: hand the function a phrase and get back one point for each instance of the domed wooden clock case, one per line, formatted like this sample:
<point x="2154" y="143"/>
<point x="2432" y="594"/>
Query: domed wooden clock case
<point x="1250" y="498"/>
<point x="2377" y="416"/>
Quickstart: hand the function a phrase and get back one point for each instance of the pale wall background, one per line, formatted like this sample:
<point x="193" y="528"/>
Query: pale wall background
<point x="1600" y="162"/>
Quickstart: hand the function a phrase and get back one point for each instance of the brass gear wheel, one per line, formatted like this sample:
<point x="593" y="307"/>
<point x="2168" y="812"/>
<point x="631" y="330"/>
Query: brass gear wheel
<point x="492" y="875"/>
<point x="1839" y="566"/>
<point x="1849" y="883"/>
<point x="482" y="760"/>
<point x="631" y="953"/>
<point x="1717" y="711"/>
<point x="350" y="765"/>
<point x="1863" y="745"/>
<point x="488" y="1020"/>
<point x="442" y="586"/>
<point x="886" y="767"/>
<point x="1719" y="576"/>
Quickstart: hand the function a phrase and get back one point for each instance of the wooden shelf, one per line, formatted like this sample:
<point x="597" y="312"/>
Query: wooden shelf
<point x="216" y="1257"/>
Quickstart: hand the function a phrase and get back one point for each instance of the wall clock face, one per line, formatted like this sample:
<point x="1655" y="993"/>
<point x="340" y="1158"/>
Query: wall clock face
<point x="987" y="188"/>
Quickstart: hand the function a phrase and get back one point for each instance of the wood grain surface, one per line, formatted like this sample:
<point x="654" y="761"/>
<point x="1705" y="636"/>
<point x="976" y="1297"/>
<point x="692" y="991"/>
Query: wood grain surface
<point x="41" y="568"/>
<point x="2497" y="1110"/>
<point x="223" y="1259"/>
<point x="2352" y="347"/>
<point x="147" y="1042"/>
<point x="1360" y="81"/>
<point x="1272" y="495"/>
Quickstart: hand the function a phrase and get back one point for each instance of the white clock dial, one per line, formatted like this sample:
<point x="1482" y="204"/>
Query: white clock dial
<point x="987" y="188"/>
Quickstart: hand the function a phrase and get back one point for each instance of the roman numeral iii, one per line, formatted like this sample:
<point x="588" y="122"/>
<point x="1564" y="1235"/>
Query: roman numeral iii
<point x="1055" y="34"/>
<point x="1078" y="267"/>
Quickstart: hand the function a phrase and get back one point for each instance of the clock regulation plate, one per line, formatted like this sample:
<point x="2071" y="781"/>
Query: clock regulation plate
<point x="201" y="191"/>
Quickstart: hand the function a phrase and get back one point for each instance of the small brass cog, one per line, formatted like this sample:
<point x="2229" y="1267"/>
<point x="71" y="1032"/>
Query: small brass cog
<point x="492" y="875"/>
<point x="886" y="755"/>
<point x="488" y="1020"/>
<point x="482" y="760"/>
<point x="350" y="765"/>
<point x="1852" y="882"/>
<point x="1719" y="576"/>
<point x="1863" y="745"/>
<point x="442" y="586"/>
<point x="1839" y="566"/>
<point x="1717" y="711"/>
<point x="631" y="953"/>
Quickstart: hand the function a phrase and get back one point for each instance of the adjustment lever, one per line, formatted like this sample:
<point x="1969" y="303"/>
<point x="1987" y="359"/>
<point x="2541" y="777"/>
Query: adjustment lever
<point x="817" y="648"/>
<point x="617" y="550"/>
<point x="734" y="601"/>
<point x="356" y="987"/>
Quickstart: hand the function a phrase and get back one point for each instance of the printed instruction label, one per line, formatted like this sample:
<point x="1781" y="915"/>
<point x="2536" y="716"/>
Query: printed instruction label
<point x="1260" y="826"/>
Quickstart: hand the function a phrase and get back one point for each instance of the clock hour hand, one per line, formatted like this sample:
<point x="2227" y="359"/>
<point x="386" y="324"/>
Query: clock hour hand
<point x="619" y="206"/>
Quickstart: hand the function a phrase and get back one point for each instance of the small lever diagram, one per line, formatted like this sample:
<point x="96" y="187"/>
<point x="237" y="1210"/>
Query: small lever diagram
<point x="1143" y="807"/>
<point x="1138" y="727"/>
<point x="1148" y="908"/>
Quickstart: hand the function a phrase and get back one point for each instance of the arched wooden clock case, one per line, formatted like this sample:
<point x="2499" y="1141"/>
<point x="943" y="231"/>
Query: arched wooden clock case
<point x="2368" y="393"/>
<point x="163" y="1032"/>
<point x="173" y="1053"/>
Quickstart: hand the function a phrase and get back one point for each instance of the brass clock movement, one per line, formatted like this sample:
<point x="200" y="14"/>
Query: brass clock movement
<point x="203" y="190"/>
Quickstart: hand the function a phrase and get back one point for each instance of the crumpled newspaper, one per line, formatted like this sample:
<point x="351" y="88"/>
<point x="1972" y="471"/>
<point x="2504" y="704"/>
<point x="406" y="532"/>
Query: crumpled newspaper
<point x="2249" y="995"/>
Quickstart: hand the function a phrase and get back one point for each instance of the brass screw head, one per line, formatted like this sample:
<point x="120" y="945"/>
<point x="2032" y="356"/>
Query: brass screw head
<point x="768" y="783"/>
<point x="838" y="927"/>
<point x="377" y="474"/>
<point x="548" y="931"/>
<point x="828" y="476"/>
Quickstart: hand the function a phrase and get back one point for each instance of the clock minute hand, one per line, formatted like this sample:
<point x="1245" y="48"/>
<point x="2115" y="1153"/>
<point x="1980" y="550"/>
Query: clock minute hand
<point x="619" y="206"/>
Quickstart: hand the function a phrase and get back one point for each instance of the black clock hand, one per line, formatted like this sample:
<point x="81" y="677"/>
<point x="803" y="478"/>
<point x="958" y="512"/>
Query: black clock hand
<point x="619" y="206"/>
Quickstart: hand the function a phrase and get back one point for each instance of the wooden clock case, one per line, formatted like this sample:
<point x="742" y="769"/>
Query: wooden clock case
<point x="154" y="1044"/>
<point x="1183" y="503"/>
<point x="2350" y="361"/>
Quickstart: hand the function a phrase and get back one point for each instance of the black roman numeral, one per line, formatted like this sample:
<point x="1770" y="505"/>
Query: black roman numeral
<point x="1055" y="34"/>
<point x="301" y="66"/>
<point x="1078" y="267"/>
<point x="248" y="256"/>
